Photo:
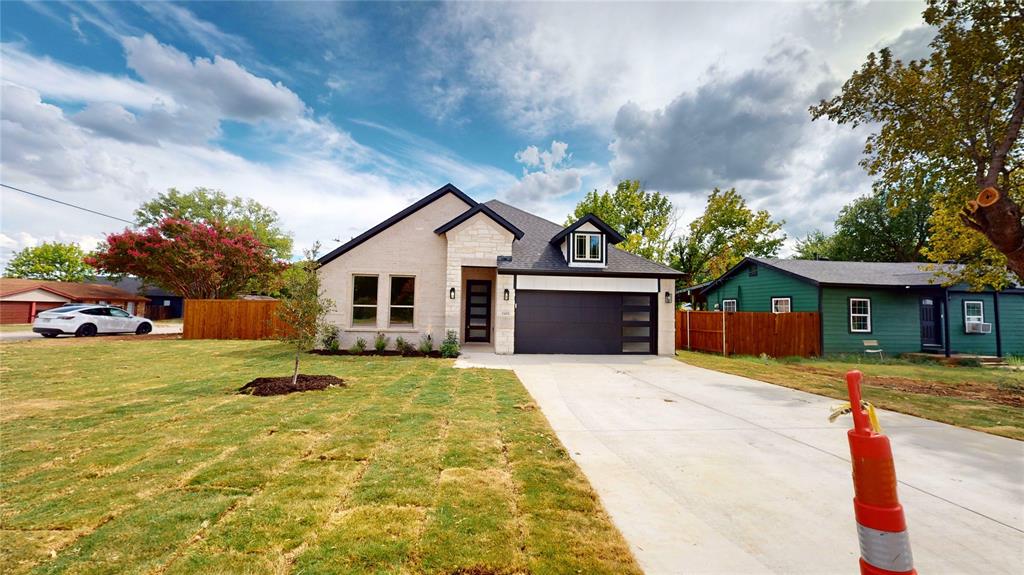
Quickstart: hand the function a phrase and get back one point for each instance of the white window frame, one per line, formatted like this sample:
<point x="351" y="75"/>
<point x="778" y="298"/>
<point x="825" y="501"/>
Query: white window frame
<point x="375" y="305"/>
<point x="789" y="304"/>
<point x="976" y="318"/>
<point x="864" y="315"/>
<point x="735" y="305"/>
<point x="391" y="280"/>
<point x="587" y="235"/>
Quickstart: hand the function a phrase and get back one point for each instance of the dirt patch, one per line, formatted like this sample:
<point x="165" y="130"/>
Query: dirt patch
<point x="975" y="391"/>
<point x="263" y="386"/>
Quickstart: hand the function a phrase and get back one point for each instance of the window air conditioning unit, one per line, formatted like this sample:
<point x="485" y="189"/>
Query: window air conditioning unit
<point x="979" y="327"/>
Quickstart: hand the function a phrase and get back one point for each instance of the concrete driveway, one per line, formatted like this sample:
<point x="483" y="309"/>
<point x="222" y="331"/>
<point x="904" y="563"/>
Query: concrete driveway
<point x="705" y="472"/>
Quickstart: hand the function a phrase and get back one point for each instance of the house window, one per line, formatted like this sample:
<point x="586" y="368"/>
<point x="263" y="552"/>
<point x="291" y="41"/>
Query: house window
<point x="974" y="311"/>
<point x="588" y="248"/>
<point x="403" y="289"/>
<point x="728" y="305"/>
<point x="860" y="315"/>
<point x="782" y="305"/>
<point x="364" y="300"/>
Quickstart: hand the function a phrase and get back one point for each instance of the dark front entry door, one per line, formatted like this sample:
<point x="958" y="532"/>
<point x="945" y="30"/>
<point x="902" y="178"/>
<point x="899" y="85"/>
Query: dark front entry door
<point x="478" y="310"/>
<point x="930" y="334"/>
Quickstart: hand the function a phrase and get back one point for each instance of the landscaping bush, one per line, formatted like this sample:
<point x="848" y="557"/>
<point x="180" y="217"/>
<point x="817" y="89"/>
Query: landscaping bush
<point x="359" y="346"/>
<point x="403" y="346"/>
<point x="330" y="338"/>
<point x="380" y="343"/>
<point x="426" y="344"/>
<point x="450" y="345"/>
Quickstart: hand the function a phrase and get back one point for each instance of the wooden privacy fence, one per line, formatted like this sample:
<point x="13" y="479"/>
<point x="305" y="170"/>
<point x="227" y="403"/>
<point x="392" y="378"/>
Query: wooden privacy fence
<point x="230" y="319"/>
<point x="749" y="333"/>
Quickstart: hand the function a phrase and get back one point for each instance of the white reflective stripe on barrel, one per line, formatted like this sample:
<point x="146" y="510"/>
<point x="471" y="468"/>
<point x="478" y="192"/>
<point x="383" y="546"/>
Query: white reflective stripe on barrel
<point x="885" y="550"/>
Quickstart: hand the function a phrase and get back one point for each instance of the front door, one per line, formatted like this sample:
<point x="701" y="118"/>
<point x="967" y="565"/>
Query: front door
<point x="929" y="322"/>
<point x="478" y="310"/>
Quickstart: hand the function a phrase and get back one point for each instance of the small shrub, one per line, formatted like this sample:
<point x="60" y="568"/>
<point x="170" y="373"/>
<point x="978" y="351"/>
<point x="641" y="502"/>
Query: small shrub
<point x="330" y="338"/>
<point x="380" y="343"/>
<point x="403" y="346"/>
<point x="359" y="346"/>
<point x="426" y="344"/>
<point x="450" y="345"/>
<point x="1015" y="360"/>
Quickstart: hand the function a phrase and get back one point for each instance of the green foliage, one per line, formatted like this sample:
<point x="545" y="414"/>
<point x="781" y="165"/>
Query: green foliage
<point x="206" y="205"/>
<point x="50" y="261"/>
<point x="304" y="309"/>
<point x="450" y="345"/>
<point x="403" y="346"/>
<point x="948" y="119"/>
<point x="426" y="343"/>
<point x="645" y="219"/>
<point x="331" y="338"/>
<point x="359" y="346"/>
<point x="380" y="341"/>
<point x="727" y="232"/>
<point x="871" y="230"/>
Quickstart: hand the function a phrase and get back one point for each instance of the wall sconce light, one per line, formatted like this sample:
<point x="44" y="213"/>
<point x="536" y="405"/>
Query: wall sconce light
<point x="506" y="294"/>
<point x="668" y="297"/>
<point x="451" y="293"/>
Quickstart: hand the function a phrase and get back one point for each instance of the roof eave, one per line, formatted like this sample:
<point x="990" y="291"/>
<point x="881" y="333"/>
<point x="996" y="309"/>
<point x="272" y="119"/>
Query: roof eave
<point x="480" y="209"/>
<point x="614" y="237"/>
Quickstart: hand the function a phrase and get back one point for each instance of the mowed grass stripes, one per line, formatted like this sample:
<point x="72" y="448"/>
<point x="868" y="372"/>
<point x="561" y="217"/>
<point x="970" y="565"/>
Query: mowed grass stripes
<point x="138" y="457"/>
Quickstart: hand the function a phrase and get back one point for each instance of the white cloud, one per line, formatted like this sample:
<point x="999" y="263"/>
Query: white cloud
<point x="551" y="181"/>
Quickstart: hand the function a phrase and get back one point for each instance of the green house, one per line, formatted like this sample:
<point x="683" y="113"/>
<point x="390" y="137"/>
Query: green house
<point x="897" y="305"/>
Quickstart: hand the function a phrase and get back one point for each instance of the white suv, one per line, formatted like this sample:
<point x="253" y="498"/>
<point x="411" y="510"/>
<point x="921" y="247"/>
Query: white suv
<point x="85" y="320"/>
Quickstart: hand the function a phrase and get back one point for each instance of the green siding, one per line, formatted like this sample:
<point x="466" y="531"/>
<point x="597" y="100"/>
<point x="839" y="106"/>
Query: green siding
<point x="756" y="293"/>
<point x="975" y="343"/>
<point x="1011" y="323"/>
<point x="895" y="320"/>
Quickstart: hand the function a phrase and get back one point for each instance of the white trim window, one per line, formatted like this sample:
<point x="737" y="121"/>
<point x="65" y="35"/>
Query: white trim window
<point x="974" y="311"/>
<point x="782" y="305"/>
<point x="364" y="301"/>
<point x="729" y="305"/>
<point x="403" y="291"/>
<point x="860" y="315"/>
<point x="587" y="247"/>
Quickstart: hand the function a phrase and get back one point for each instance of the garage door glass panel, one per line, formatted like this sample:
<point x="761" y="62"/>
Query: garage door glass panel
<point x="636" y="316"/>
<point x="636" y="347"/>
<point x="636" y="331"/>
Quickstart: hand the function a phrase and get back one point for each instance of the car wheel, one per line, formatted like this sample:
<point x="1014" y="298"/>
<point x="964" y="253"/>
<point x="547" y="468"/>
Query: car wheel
<point x="143" y="328"/>
<point x="86" y="330"/>
<point x="49" y="335"/>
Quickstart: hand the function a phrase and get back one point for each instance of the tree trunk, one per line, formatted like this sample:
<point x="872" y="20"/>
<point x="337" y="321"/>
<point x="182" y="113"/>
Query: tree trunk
<point x="999" y="219"/>
<point x="295" y="374"/>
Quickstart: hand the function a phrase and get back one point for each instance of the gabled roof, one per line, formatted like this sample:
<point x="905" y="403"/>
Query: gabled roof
<point x="427" y="200"/>
<point x="838" y="273"/>
<point x="535" y="254"/>
<point x="71" y="290"/>
<point x="480" y="209"/>
<point x="614" y="236"/>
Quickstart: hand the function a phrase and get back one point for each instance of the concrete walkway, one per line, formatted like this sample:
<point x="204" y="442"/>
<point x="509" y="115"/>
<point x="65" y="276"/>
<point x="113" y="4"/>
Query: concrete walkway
<point x="705" y="472"/>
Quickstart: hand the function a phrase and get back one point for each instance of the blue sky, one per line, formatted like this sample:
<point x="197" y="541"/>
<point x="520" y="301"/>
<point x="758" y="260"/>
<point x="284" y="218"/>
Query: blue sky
<point x="339" y="114"/>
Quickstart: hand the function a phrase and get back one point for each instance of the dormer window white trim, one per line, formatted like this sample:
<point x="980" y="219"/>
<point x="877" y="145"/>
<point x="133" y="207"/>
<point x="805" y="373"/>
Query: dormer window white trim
<point x="588" y="247"/>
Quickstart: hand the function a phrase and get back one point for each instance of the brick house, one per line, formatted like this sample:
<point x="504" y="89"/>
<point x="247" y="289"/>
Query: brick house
<point x="22" y="299"/>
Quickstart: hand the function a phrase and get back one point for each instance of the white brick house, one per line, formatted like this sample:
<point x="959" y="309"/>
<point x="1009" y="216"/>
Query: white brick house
<point x="501" y="276"/>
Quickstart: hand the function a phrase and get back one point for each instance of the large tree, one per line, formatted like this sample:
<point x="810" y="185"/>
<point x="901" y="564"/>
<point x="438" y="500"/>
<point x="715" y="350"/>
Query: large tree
<point x="955" y="119"/>
<point x="646" y="219"/>
<point x="50" y="261"/>
<point x="195" y="259"/>
<point x="723" y="235"/>
<point x="208" y="206"/>
<point x="869" y="229"/>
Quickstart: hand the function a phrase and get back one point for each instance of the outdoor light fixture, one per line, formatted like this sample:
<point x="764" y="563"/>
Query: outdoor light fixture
<point x="506" y="294"/>
<point x="668" y="297"/>
<point x="451" y="293"/>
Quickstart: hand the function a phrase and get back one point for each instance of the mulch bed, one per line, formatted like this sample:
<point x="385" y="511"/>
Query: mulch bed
<point x="264" y="386"/>
<point x="387" y="352"/>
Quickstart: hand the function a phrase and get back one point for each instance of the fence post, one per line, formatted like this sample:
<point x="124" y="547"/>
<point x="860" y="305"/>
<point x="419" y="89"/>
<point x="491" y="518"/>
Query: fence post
<point x="687" y="330"/>
<point x="725" y="350"/>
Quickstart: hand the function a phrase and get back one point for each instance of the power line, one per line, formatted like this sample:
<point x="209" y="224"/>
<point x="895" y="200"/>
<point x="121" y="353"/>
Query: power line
<point x="69" y="205"/>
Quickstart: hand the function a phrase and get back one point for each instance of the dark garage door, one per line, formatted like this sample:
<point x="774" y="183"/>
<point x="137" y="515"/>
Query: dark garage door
<point x="584" y="322"/>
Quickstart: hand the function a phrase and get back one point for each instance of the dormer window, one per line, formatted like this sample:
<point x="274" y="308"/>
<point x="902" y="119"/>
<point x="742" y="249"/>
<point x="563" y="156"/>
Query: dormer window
<point x="587" y="247"/>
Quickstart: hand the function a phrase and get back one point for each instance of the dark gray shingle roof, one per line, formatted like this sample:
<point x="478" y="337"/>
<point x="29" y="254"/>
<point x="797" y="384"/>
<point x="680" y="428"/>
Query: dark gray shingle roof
<point x="857" y="273"/>
<point x="535" y="252"/>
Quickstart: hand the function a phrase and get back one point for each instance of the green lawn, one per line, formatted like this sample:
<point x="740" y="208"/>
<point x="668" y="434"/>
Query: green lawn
<point x="134" y="456"/>
<point x="990" y="400"/>
<point x="9" y="327"/>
